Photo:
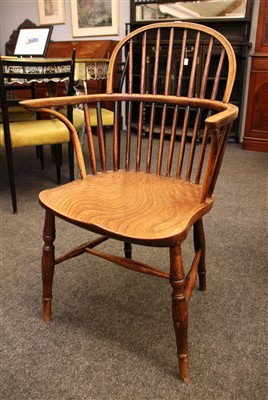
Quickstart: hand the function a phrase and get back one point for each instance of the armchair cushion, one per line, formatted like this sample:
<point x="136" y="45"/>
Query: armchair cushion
<point x="34" y="133"/>
<point x="78" y="117"/>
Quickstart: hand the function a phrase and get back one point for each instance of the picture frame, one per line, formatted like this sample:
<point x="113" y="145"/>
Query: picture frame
<point x="33" y="42"/>
<point x="95" y="18"/>
<point x="51" y="12"/>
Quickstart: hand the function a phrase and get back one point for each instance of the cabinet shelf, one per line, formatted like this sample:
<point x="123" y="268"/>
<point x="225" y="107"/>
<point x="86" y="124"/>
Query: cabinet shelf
<point x="237" y="30"/>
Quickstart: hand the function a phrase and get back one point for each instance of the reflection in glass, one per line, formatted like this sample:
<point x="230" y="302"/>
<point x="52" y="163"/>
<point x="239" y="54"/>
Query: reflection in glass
<point x="202" y="9"/>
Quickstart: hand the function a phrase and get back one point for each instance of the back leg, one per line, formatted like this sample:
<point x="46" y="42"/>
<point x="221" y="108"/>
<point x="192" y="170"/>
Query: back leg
<point x="128" y="250"/>
<point x="48" y="264"/>
<point x="200" y="244"/>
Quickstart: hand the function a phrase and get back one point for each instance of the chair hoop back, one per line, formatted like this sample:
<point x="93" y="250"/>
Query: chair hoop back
<point x="180" y="43"/>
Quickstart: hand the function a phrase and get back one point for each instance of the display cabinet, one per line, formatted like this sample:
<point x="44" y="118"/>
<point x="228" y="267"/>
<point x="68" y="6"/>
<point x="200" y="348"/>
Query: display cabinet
<point x="256" y="126"/>
<point x="232" y="19"/>
<point x="218" y="10"/>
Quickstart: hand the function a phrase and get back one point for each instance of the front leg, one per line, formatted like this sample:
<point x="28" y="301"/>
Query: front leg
<point x="48" y="263"/>
<point x="179" y="311"/>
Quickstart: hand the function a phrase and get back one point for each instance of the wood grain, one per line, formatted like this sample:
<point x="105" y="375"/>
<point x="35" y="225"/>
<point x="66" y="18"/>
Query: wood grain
<point x="145" y="208"/>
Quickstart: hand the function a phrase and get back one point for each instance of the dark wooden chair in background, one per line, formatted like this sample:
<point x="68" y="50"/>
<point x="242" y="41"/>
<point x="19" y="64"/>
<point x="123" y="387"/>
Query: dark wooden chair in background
<point x="19" y="129"/>
<point x="163" y="183"/>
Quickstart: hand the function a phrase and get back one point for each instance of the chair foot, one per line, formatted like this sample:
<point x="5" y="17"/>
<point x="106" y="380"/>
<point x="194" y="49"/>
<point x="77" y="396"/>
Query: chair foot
<point x="202" y="281"/>
<point x="47" y="310"/>
<point x="184" y="370"/>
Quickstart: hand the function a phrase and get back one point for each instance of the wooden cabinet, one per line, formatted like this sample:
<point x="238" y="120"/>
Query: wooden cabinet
<point x="235" y="27"/>
<point x="256" y="126"/>
<point x="84" y="49"/>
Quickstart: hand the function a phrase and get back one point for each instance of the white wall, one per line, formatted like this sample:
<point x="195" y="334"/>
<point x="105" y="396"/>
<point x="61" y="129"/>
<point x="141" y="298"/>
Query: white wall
<point x="14" y="12"/>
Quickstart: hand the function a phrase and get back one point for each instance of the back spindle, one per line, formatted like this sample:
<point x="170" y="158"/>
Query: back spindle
<point x="90" y="142"/>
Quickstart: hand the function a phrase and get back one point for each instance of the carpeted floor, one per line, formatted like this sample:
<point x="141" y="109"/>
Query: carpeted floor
<point x="111" y="336"/>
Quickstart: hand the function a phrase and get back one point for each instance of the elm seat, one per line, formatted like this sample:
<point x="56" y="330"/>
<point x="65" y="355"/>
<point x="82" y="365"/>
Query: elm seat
<point x="179" y="204"/>
<point x="142" y="186"/>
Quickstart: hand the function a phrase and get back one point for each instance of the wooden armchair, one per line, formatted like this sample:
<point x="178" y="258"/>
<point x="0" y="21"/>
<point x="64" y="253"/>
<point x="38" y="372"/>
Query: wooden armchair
<point x="162" y="184"/>
<point x="19" y="130"/>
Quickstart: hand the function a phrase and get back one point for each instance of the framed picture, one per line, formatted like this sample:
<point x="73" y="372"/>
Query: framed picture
<point x="94" y="17"/>
<point x="51" y="12"/>
<point x="33" y="42"/>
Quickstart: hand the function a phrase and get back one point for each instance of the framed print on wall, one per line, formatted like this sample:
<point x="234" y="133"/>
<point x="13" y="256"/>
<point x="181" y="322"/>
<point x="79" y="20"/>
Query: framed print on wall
<point x="94" y="17"/>
<point x="51" y="12"/>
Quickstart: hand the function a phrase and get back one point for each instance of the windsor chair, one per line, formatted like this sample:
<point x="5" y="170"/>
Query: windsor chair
<point x="162" y="183"/>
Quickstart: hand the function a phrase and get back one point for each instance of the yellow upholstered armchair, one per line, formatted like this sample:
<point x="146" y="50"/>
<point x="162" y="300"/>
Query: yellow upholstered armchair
<point x="33" y="132"/>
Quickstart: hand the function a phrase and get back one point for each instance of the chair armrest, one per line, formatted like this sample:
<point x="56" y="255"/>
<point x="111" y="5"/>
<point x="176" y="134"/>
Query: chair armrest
<point x="226" y="112"/>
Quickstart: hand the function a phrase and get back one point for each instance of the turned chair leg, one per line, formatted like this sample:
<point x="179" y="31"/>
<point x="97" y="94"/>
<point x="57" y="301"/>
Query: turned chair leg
<point x="48" y="264"/>
<point x="200" y="244"/>
<point x="179" y="311"/>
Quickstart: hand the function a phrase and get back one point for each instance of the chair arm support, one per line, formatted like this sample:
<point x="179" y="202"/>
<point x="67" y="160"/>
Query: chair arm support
<point x="73" y="133"/>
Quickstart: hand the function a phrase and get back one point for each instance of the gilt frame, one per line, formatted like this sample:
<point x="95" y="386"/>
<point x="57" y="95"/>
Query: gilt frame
<point x="96" y="18"/>
<point x="51" y="12"/>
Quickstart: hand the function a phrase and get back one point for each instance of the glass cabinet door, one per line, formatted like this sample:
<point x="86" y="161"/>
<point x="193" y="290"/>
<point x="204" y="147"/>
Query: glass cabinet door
<point x="152" y="10"/>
